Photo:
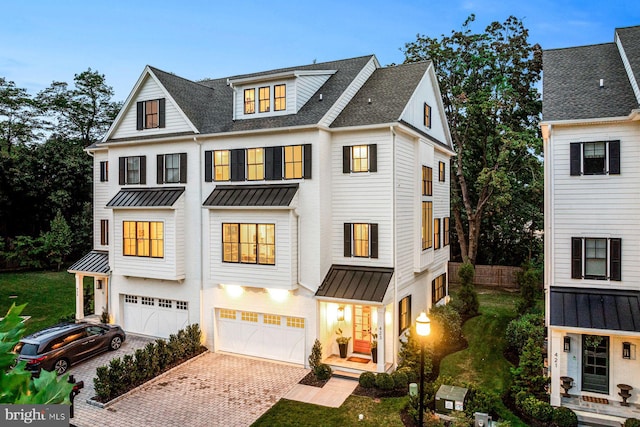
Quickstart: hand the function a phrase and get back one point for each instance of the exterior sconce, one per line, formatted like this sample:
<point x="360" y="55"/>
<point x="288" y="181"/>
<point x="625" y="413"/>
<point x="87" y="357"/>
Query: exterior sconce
<point x="340" y="315"/>
<point x="626" y="350"/>
<point x="98" y="284"/>
<point x="567" y="344"/>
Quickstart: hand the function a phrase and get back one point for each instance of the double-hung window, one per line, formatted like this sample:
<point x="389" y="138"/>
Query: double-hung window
<point x="143" y="238"/>
<point x="427" y="181"/>
<point x="441" y="172"/>
<point x="293" y="161"/>
<point x="249" y="243"/>
<point x="172" y="168"/>
<point x="150" y="114"/>
<point x="359" y="158"/>
<point x="427" y="115"/>
<point x="264" y="99"/>
<point x="255" y="164"/>
<point x="104" y="171"/>
<point x="445" y="233"/>
<point x="427" y="221"/>
<point x="249" y="101"/>
<point x="596" y="258"/>
<point x="436" y="233"/>
<point x="404" y="314"/>
<point x="361" y="240"/>
<point x="594" y="158"/>
<point x="438" y="288"/>
<point x="280" y="97"/>
<point x="132" y="170"/>
<point x="221" y="162"/>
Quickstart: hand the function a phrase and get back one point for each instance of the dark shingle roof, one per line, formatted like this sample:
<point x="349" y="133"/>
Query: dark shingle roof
<point x="630" y="38"/>
<point x="356" y="283"/>
<point x="93" y="262"/>
<point x="571" y="83"/>
<point x="595" y="308"/>
<point x="146" y="197"/>
<point x="252" y="195"/>
<point x="389" y="90"/>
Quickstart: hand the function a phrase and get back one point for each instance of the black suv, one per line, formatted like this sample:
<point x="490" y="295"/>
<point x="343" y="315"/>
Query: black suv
<point x="58" y="347"/>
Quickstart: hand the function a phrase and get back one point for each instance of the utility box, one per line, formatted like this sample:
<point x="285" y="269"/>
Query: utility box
<point x="450" y="398"/>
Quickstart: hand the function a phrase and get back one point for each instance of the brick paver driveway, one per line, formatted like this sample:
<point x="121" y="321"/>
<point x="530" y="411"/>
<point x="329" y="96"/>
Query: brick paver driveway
<point x="213" y="390"/>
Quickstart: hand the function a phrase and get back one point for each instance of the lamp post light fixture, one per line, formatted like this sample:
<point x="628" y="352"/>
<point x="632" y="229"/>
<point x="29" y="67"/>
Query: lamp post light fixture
<point x="423" y="329"/>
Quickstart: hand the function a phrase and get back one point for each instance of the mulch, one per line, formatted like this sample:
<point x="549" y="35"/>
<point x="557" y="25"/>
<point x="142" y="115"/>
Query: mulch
<point x="310" y="379"/>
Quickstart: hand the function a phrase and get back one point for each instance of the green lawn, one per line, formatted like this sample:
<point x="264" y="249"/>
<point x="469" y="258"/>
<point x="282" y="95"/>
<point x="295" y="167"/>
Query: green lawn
<point x="49" y="295"/>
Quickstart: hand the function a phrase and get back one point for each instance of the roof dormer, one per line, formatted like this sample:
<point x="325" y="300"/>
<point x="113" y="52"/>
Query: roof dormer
<point x="275" y="94"/>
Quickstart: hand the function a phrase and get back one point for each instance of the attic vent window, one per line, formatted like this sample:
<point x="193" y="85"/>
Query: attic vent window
<point x="601" y="83"/>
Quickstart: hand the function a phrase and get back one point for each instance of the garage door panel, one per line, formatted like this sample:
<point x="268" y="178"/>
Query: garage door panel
<point x="155" y="317"/>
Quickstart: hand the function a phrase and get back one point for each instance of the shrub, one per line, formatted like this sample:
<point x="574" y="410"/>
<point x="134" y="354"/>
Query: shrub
<point x="409" y="354"/>
<point x="400" y="380"/>
<point x="521" y="329"/>
<point x="412" y="376"/>
<point x="469" y="305"/>
<point x="315" y="358"/>
<point x="537" y="409"/>
<point x="632" y="422"/>
<point x="384" y="381"/>
<point x="529" y="281"/>
<point x="104" y="317"/>
<point x="446" y="325"/>
<point x="101" y="384"/>
<point x="322" y="372"/>
<point x="565" y="417"/>
<point x="367" y="380"/>
<point x="480" y="401"/>
<point x="528" y="375"/>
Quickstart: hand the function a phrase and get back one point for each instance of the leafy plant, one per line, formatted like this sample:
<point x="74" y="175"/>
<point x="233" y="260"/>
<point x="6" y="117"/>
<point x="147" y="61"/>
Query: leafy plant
<point x="342" y="339"/>
<point x="315" y="358"/>
<point x="632" y="422"/>
<point x="367" y="380"/>
<point x="409" y="354"/>
<point x="374" y="341"/>
<point x="446" y="325"/>
<point x="323" y="372"/>
<point x="104" y="317"/>
<point x="521" y="329"/>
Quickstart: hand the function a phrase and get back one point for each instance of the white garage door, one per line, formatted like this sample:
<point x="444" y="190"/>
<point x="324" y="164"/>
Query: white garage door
<point x="270" y="336"/>
<point x="156" y="317"/>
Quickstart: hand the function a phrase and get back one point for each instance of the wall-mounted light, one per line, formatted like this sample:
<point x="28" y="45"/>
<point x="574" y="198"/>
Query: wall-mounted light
<point x="98" y="284"/>
<point x="567" y="343"/>
<point x="234" y="291"/>
<point x="278" y="295"/>
<point x="340" y="314"/>
<point x="626" y="350"/>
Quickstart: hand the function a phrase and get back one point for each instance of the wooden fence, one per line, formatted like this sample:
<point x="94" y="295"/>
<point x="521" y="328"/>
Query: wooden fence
<point x="488" y="275"/>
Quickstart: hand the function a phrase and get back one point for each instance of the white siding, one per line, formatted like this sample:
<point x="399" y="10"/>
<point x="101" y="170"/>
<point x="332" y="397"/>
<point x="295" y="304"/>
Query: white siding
<point x="101" y="197"/>
<point x="364" y="197"/>
<point x="596" y="205"/>
<point x="291" y="99"/>
<point x="174" y="119"/>
<point x="407" y="213"/>
<point x="306" y="86"/>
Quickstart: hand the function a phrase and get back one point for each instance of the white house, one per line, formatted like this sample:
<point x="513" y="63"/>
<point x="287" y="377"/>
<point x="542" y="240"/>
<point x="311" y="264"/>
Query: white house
<point x="275" y="208"/>
<point x="591" y="133"/>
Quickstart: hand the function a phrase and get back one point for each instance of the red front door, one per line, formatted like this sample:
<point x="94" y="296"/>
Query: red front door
<point x="362" y="329"/>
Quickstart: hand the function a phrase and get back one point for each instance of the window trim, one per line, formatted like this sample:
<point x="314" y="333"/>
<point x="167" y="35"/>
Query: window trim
<point x="104" y="232"/>
<point x="404" y="317"/>
<point x="104" y="171"/>
<point x="442" y="172"/>
<point x="149" y="240"/>
<point x="347" y="161"/>
<point x="427" y="181"/>
<point x="427" y="223"/>
<point x="223" y="166"/>
<point x="249" y="104"/>
<point x="257" y="245"/>
<point x="141" y="114"/>
<point x="438" y="290"/>
<point x="124" y="172"/>
<point x="445" y="234"/>
<point x="611" y="158"/>
<point x="427" y="115"/>
<point x="349" y="240"/>
<point x="613" y="260"/>
<point x="436" y="234"/>
<point x="282" y="100"/>
<point x="161" y="168"/>
<point x="264" y="104"/>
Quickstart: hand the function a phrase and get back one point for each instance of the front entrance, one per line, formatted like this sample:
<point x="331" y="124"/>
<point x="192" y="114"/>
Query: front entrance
<point x="595" y="363"/>
<point x="361" y="329"/>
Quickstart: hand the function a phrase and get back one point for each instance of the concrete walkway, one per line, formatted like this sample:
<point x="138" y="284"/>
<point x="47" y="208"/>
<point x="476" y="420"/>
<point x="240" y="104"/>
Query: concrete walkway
<point x="333" y="394"/>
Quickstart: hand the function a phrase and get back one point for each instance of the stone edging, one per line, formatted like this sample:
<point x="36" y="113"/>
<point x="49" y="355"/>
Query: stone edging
<point x="101" y="405"/>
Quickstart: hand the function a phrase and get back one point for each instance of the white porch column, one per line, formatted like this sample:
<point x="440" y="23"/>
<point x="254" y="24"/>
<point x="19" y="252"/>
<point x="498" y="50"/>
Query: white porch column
<point x="79" y="297"/>
<point x="556" y="369"/>
<point x="382" y="341"/>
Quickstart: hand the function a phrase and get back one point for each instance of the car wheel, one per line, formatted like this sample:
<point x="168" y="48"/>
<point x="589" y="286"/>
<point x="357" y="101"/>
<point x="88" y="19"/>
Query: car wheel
<point x="61" y="366"/>
<point x="116" y="343"/>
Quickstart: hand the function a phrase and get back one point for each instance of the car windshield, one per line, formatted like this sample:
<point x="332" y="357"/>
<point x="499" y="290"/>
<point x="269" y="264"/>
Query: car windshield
<point x="27" y="349"/>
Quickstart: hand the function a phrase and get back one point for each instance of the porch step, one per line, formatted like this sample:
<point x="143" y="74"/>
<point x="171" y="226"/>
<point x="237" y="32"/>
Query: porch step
<point x="593" y="419"/>
<point x="346" y="375"/>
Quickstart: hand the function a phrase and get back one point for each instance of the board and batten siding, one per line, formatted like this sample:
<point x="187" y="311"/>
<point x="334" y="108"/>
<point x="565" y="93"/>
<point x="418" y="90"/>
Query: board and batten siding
<point x="171" y="266"/>
<point x="174" y="120"/>
<point x="100" y="198"/>
<point x="363" y="197"/>
<point x="282" y="275"/>
<point x="595" y="205"/>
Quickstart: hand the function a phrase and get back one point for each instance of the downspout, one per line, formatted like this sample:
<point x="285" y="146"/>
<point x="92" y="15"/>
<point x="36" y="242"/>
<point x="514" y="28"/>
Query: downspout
<point x="200" y="178"/>
<point x="395" y="243"/>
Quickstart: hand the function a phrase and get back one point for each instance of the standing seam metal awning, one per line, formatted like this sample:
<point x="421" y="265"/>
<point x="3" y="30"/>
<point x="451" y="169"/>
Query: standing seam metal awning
<point x="595" y="308"/>
<point x="267" y="195"/>
<point x="146" y="197"/>
<point x="94" y="262"/>
<point x="356" y="283"/>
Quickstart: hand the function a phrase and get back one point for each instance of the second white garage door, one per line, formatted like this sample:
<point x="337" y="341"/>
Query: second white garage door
<point x="270" y="336"/>
<point x="156" y="317"/>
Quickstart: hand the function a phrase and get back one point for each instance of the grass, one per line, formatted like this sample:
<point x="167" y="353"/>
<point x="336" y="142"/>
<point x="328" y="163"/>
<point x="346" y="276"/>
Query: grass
<point x="49" y="296"/>
<point x="382" y="412"/>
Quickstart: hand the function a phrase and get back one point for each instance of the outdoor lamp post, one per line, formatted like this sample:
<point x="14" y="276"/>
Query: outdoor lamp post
<point x="423" y="328"/>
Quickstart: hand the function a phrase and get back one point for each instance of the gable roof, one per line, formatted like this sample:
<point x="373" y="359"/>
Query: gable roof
<point x="209" y="103"/>
<point x="389" y="90"/>
<point x="571" y="79"/>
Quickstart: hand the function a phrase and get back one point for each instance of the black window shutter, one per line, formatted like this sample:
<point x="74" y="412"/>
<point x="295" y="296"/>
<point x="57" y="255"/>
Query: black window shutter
<point x="614" y="157"/>
<point x="373" y="158"/>
<point x="576" y="258"/>
<point x="160" y="169"/>
<point x="346" y="159"/>
<point x="208" y="166"/>
<point x="103" y="172"/>
<point x="161" y="112"/>
<point x="237" y="164"/>
<point x="306" y="174"/>
<point x="140" y="116"/>
<point x="347" y="240"/>
<point x="122" y="170"/>
<point x="433" y="291"/>
<point x="277" y="163"/>
<point x="574" y="160"/>
<point x="143" y="169"/>
<point x="615" y="266"/>
<point x="183" y="168"/>
<point x="373" y="237"/>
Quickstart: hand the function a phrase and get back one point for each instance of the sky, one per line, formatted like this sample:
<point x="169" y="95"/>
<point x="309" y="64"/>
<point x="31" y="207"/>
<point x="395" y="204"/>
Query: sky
<point x="42" y="41"/>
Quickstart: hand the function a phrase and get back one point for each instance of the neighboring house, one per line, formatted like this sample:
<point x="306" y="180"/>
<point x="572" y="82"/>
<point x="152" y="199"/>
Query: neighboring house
<point x="591" y="130"/>
<point x="274" y="208"/>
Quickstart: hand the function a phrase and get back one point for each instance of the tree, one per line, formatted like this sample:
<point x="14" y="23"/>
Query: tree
<point x="16" y="383"/>
<point x="84" y="112"/>
<point x="487" y="81"/>
<point x="19" y="116"/>
<point x="468" y="304"/>
<point x="57" y="241"/>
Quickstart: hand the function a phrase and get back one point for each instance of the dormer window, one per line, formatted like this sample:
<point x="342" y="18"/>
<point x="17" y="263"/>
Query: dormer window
<point x="264" y="98"/>
<point x="151" y="114"/>
<point x="249" y="101"/>
<point x="280" y="97"/>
